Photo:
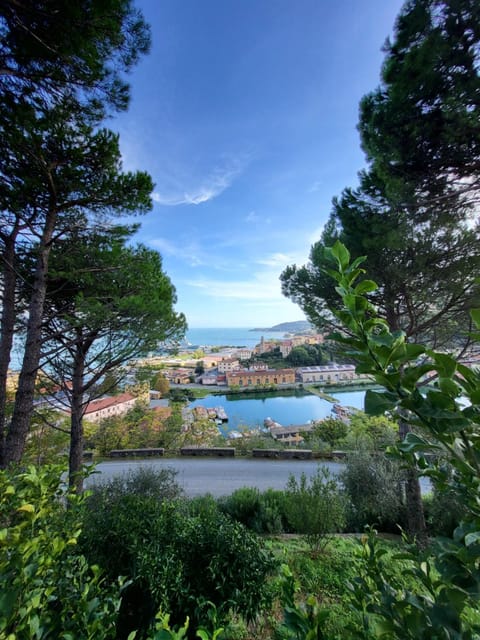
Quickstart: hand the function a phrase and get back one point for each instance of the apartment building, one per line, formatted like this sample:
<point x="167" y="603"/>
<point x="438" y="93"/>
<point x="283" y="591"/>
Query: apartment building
<point x="249" y="378"/>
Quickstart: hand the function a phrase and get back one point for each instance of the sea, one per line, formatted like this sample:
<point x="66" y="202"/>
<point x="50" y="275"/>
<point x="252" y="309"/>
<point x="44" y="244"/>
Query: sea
<point x="228" y="337"/>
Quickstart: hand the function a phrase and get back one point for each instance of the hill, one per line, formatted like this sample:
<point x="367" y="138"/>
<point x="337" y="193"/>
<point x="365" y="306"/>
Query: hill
<point x="288" y="327"/>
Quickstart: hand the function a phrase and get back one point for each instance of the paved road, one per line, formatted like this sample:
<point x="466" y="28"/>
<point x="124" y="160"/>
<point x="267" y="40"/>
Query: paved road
<point x="221" y="476"/>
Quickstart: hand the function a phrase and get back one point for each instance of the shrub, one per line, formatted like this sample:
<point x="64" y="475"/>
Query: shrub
<point x="47" y="589"/>
<point x="443" y="511"/>
<point x="261" y="512"/>
<point x="374" y="486"/>
<point x="178" y="562"/>
<point x="143" y="481"/>
<point x="243" y="505"/>
<point x="316" y="508"/>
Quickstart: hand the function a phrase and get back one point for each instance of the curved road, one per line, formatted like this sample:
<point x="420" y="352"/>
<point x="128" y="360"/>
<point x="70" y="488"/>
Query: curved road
<point x="220" y="476"/>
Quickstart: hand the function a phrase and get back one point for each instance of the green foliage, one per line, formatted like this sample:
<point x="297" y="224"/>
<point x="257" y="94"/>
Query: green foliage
<point x="444" y="511"/>
<point x="370" y="432"/>
<point x="448" y="416"/>
<point x="179" y="561"/>
<point x="180" y="395"/>
<point x="200" y="368"/>
<point x="301" y="621"/>
<point x="316" y="507"/>
<point x="424" y="115"/>
<point x="330" y="430"/>
<point x="306" y="355"/>
<point x="160" y="383"/>
<point x="261" y="512"/>
<point x="374" y="484"/>
<point x="48" y="590"/>
<point x="149" y="482"/>
<point x="81" y="49"/>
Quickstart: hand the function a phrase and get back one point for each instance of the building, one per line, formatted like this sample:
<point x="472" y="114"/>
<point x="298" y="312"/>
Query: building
<point x="258" y="366"/>
<point x="285" y="347"/>
<point x="266" y="345"/>
<point x="329" y="374"/>
<point x="228" y="364"/>
<point x="107" y="407"/>
<point x="178" y="376"/>
<point x="209" y="377"/>
<point x="244" y="353"/>
<point x="248" y="378"/>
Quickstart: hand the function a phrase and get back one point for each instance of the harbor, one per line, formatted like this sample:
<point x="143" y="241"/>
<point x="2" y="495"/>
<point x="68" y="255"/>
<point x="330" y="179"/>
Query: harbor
<point x="286" y="410"/>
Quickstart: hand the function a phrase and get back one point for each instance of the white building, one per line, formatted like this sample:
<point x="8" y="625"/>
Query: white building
<point x="329" y="374"/>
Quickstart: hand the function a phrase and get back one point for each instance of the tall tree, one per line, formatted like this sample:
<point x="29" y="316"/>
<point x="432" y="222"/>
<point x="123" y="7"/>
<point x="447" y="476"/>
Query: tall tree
<point x="413" y="213"/>
<point x="66" y="175"/>
<point x="106" y="303"/>
<point x="62" y="69"/>
<point x="427" y="272"/>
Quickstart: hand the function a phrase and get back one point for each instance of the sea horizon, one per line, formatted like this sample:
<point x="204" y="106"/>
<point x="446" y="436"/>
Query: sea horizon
<point x="229" y="336"/>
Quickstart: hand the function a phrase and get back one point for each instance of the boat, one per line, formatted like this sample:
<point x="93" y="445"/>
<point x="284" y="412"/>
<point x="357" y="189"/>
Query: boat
<point x="234" y="435"/>
<point x="271" y="424"/>
<point x="221" y="415"/>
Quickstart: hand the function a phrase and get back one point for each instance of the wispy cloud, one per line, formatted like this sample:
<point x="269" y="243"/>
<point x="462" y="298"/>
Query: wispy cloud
<point x="199" y="190"/>
<point x="262" y="284"/>
<point x="316" y="186"/>
<point x="252" y="216"/>
<point x="277" y="260"/>
<point x="256" y="289"/>
<point x="190" y="253"/>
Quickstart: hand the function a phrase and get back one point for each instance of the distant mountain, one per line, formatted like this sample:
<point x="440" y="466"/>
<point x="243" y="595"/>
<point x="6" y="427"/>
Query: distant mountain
<point x="288" y="327"/>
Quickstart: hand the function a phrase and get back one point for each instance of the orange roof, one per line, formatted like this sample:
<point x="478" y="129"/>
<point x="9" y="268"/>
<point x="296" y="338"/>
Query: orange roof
<point x="104" y="403"/>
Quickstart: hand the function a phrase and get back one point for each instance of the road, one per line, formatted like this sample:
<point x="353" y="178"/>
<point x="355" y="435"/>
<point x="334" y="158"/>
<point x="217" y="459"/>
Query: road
<point x="221" y="476"/>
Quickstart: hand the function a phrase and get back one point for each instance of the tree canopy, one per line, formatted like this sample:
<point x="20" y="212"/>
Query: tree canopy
<point x="50" y="49"/>
<point x="412" y="214"/>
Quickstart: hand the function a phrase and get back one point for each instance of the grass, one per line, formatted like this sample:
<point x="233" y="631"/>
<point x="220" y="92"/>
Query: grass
<point x="324" y="576"/>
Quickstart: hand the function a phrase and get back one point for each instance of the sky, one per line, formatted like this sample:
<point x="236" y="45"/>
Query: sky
<point x="245" y="114"/>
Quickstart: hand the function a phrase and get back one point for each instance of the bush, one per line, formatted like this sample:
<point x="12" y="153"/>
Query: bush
<point x="444" y="511"/>
<point x="144" y="481"/>
<point x="47" y="589"/>
<point x="316" y="508"/>
<point x="261" y="512"/>
<point x="374" y="486"/>
<point x="178" y="562"/>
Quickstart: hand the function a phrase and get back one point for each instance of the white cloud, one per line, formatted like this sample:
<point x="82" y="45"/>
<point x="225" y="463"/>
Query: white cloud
<point x="252" y="217"/>
<point x="202" y="190"/>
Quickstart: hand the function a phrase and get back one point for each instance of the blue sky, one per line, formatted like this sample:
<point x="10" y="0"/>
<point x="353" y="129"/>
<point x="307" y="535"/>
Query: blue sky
<point x="245" y="115"/>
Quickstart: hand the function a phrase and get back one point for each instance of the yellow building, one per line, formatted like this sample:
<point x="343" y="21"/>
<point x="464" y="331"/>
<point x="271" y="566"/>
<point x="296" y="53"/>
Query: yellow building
<point x="248" y="378"/>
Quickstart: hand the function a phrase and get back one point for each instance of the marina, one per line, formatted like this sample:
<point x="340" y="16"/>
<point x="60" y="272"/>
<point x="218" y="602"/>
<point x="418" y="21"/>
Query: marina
<point x="256" y="411"/>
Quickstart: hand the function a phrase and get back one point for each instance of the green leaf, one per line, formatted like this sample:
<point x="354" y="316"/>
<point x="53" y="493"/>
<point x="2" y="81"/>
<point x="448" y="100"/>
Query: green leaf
<point x="377" y="403"/>
<point x="446" y="365"/>
<point x="366" y="286"/>
<point x="341" y="254"/>
<point x="472" y="538"/>
<point x="475" y="315"/>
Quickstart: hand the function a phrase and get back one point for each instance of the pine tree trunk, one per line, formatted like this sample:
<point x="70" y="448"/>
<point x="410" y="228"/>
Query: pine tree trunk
<point x="7" y="329"/>
<point x="23" y="408"/>
<point x="416" y="525"/>
<point x="75" y="475"/>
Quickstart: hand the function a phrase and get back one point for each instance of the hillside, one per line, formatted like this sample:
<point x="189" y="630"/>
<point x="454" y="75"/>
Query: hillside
<point x="288" y="327"/>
